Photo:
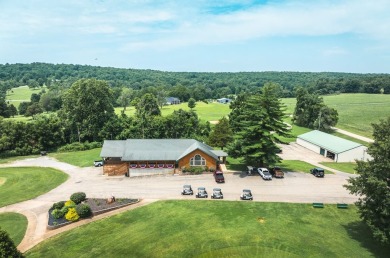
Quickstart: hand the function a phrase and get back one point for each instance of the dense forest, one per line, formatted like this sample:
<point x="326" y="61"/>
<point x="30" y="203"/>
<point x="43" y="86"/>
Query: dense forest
<point x="78" y="101"/>
<point x="186" y="85"/>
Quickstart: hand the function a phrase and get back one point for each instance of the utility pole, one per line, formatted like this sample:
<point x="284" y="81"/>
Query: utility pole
<point x="319" y="121"/>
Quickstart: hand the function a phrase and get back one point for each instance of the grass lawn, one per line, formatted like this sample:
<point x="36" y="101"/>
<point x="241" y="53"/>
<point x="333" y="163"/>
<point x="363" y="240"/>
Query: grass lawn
<point x="347" y="167"/>
<point x="298" y="166"/>
<point x="219" y="229"/>
<point x="286" y="165"/>
<point x="24" y="183"/>
<point x="15" y="224"/>
<point x="78" y="158"/>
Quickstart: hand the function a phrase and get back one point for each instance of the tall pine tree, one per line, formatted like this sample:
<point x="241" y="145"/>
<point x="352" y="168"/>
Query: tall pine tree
<point x="257" y="120"/>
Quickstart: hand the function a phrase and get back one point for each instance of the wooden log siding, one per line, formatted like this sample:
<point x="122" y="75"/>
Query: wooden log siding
<point x="210" y="162"/>
<point x="115" y="168"/>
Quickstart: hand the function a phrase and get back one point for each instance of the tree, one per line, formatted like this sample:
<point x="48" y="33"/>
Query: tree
<point x="222" y="134"/>
<point x="191" y="103"/>
<point x="146" y="108"/>
<point x="310" y="111"/>
<point x="33" y="109"/>
<point x="373" y="184"/>
<point x="261" y="119"/>
<point x="7" y="246"/>
<point x="125" y="98"/>
<point x="327" y="118"/>
<point x="87" y="106"/>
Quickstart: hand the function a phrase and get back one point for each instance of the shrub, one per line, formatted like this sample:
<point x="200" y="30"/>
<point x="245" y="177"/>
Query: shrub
<point x="7" y="246"/>
<point x="83" y="210"/>
<point x="70" y="204"/>
<point x="76" y="146"/>
<point x="78" y="197"/>
<point x="64" y="210"/>
<point x="58" y="213"/>
<point x="58" y="205"/>
<point x="72" y="215"/>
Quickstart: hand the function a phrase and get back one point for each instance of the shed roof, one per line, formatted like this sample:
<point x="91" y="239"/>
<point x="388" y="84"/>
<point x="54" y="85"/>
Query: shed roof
<point x="329" y="142"/>
<point x="153" y="149"/>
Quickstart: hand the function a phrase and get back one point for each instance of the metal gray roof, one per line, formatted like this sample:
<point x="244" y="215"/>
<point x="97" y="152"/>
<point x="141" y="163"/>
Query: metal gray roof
<point x="112" y="148"/>
<point x="153" y="149"/>
<point x="329" y="142"/>
<point x="220" y="153"/>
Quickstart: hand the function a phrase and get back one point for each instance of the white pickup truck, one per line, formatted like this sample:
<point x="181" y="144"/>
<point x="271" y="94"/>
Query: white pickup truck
<point x="98" y="163"/>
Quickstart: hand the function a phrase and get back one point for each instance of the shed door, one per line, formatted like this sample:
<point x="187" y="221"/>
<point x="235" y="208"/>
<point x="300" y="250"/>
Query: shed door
<point x="322" y="151"/>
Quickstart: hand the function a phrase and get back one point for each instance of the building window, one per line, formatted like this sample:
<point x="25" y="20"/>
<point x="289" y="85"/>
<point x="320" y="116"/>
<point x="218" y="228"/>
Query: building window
<point x="197" y="160"/>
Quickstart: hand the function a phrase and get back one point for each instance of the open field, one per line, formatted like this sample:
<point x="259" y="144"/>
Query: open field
<point x="25" y="183"/>
<point x="206" y="112"/>
<point x="20" y="94"/>
<point x="219" y="229"/>
<point x="78" y="158"/>
<point x="356" y="111"/>
<point x="15" y="224"/>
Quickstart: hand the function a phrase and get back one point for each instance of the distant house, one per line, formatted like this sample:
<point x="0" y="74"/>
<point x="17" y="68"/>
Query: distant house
<point x="172" y="101"/>
<point x="333" y="147"/>
<point x="135" y="157"/>
<point x="224" y="100"/>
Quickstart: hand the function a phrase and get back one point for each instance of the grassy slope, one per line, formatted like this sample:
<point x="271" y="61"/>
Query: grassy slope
<point x="347" y="167"/>
<point x="219" y="229"/>
<point x="15" y="224"/>
<point x="24" y="183"/>
<point x="78" y="158"/>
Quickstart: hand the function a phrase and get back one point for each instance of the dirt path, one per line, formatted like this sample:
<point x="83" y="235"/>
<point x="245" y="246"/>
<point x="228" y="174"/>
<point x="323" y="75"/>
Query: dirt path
<point x="356" y="136"/>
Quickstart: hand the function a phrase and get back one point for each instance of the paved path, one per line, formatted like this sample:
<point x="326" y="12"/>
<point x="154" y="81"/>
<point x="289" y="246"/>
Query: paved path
<point x="356" y="136"/>
<point x="296" y="187"/>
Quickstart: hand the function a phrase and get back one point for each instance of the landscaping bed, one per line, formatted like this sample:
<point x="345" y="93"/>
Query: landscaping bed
<point x="97" y="206"/>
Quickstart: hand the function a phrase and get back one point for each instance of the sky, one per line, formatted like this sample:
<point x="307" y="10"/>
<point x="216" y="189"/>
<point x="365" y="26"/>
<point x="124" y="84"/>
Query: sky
<point x="200" y="36"/>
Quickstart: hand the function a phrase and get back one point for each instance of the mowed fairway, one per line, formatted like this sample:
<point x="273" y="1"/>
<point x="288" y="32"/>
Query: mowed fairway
<point x="207" y="112"/>
<point x="24" y="183"/>
<point x="356" y="111"/>
<point x="78" y="158"/>
<point x="219" y="229"/>
<point x="15" y="224"/>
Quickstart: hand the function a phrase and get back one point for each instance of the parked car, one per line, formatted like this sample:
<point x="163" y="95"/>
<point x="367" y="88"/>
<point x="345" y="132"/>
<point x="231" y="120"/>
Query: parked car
<point x="246" y="195"/>
<point x="187" y="190"/>
<point x="98" y="163"/>
<point x="264" y="173"/>
<point x="251" y="170"/>
<point x="277" y="172"/>
<point x="217" y="194"/>
<point x="202" y="193"/>
<point x="218" y="176"/>
<point x="318" y="172"/>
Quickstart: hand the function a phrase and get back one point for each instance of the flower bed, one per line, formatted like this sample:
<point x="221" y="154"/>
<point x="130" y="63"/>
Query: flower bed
<point x="97" y="205"/>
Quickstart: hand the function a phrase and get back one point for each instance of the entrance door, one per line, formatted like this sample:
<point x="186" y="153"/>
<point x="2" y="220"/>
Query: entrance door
<point x="322" y="151"/>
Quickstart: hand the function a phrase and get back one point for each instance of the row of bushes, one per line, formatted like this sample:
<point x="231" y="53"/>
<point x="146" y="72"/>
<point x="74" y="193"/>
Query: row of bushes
<point x="72" y="209"/>
<point x="197" y="170"/>
<point x="78" y="146"/>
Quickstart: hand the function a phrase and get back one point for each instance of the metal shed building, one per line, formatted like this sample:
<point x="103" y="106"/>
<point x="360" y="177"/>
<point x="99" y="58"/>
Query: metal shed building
<point x="333" y="147"/>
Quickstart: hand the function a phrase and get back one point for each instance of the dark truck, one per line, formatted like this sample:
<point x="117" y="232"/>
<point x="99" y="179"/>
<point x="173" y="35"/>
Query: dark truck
<point x="277" y="172"/>
<point x="218" y="176"/>
<point x="318" y="172"/>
